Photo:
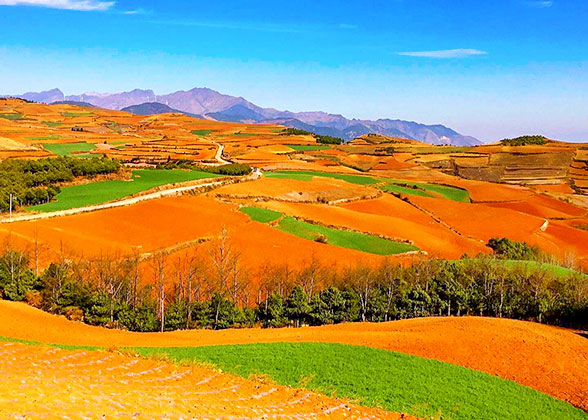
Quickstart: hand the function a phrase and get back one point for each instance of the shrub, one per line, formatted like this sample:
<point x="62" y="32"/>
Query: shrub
<point x="232" y="169"/>
<point x="327" y="139"/>
<point x="524" y="140"/>
<point x="321" y="239"/>
<point x="512" y="250"/>
<point x="73" y="313"/>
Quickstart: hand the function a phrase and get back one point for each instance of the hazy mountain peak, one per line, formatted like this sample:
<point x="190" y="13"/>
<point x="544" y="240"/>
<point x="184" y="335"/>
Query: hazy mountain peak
<point x="222" y="107"/>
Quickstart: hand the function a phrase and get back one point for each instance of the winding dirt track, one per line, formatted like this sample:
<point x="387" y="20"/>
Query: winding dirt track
<point x="44" y="382"/>
<point x="548" y="359"/>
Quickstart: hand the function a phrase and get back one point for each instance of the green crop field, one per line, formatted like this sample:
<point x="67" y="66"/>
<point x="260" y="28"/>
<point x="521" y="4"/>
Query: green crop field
<point x="105" y="191"/>
<point x="245" y="134"/>
<point x="336" y="237"/>
<point x="12" y="117"/>
<point x="201" y="132"/>
<point x="307" y="176"/>
<point x="44" y="138"/>
<point x="396" y="382"/>
<point x="66" y="149"/>
<point x="399" y="189"/>
<point x="260" y="214"/>
<point x="76" y="114"/>
<point x="425" y="190"/>
<point x="307" y="147"/>
<point x="52" y="124"/>
<point x="343" y="238"/>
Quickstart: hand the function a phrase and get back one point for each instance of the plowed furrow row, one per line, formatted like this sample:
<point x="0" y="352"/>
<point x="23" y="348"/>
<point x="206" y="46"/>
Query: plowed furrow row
<point x="40" y="382"/>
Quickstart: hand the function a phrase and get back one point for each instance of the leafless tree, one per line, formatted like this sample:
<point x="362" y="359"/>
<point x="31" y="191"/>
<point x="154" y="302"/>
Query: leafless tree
<point x="159" y="264"/>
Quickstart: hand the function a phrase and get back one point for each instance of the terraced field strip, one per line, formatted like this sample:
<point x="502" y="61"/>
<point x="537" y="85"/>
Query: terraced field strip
<point x="105" y="191"/>
<point x="395" y="381"/>
<point x="77" y="114"/>
<point x="307" y="176"/>
<point x="48" y="382"/>
<point x="432" y="190"/>
<point x="307" y="147"/>
<point x="337" y="237"/>
<point x="11" y="116"/>
<point x="390" y="185"/>
<point x="66" y="149"/>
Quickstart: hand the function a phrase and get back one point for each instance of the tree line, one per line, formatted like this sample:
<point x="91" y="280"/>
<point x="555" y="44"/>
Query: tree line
<point x="214" y="290"/>
<point x="524" y="140"/>
<point x="36" y="181"/>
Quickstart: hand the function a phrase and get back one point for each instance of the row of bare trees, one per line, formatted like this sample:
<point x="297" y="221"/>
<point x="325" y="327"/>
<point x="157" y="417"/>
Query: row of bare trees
<point x="211" y="288"/>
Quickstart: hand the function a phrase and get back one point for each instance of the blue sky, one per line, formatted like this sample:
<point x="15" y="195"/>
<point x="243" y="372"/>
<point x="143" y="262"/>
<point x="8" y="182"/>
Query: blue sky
<point x="490" y="69"/>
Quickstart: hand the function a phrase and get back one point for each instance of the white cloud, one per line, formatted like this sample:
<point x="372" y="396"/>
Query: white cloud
<point x="542" y="4"/>
<point x="82" y="5"/>
<point x="457" y="53"/>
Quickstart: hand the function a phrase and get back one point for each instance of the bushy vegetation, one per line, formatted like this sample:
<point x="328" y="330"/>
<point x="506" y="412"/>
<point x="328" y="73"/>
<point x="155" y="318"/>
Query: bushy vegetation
<point x="524" y="140"/>
<point x="289" y="131"/>
<point x="512" y="250"/>
<point x="427" y="389"/>
<point x="319" y="138"/>
<point x="327" y="139"/>
<point x="231" y="169"/>
<point x="36" y="181"/>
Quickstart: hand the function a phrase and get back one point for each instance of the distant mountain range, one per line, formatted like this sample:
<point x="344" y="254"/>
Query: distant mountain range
<point x="210" y="104"/>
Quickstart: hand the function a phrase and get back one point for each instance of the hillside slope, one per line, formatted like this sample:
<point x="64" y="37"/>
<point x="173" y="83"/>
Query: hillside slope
<point x="548" y="359"/>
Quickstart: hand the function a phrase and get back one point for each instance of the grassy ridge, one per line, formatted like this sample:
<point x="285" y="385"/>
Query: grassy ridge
<point x="66" y="149"/>
<point x="105" y="191"/>
<point x="397" y="382"/>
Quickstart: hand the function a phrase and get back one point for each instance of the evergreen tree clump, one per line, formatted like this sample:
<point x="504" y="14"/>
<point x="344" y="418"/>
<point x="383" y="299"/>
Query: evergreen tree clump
<point x="36" y="181"/>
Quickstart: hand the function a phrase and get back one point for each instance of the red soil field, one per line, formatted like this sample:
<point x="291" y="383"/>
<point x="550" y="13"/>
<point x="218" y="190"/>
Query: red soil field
<point x="483" y="222"/>
<point x="294" y="190"/>
<point x="99" y="384"/>
<point x="543" y="206"/>
<point x="168" y="223"/>
<point x="485" y="192"/>
<point x="408" y="224"/>
<point x="549" y="359"/>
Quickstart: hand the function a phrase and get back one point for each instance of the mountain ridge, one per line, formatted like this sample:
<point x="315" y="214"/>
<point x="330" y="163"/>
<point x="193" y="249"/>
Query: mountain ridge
<point x="208" y="103"/>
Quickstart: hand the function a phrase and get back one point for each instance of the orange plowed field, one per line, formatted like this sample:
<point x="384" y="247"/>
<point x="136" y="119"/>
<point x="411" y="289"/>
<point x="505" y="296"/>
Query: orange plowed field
<point x="483" y="222"/>
<point x="485" y="192"/>
<point x="40" y="381"/>
<point x="294" y="190"/>
<point x="543" y="206"/>
<point x="169" y="223"/>
<point x="551" y="360"/>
